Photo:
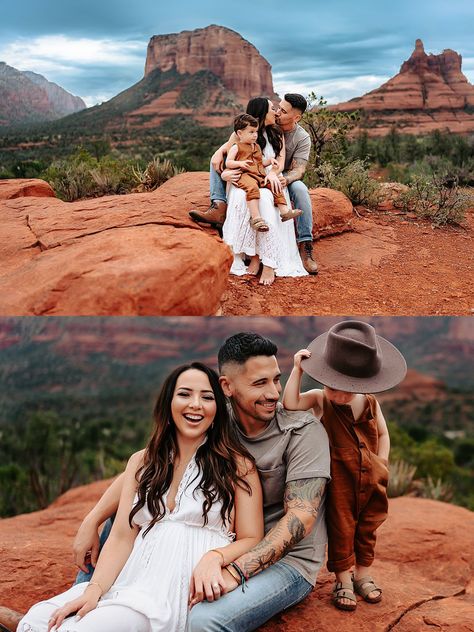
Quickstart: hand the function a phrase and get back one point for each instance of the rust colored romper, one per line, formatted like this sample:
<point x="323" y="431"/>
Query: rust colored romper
<point x="252" y="178"/>
<point x="356" y="503"/>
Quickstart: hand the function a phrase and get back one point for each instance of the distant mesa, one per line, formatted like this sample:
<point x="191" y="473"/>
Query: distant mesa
<point x="27" y="97"/>
<point x="225" y="53"/>
<point x="430" y="92"/>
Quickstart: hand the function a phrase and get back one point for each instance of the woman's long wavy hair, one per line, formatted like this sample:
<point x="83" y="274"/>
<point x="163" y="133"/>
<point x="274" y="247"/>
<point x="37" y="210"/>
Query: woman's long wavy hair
<point x="258" y="107"/>
<point x="217" y="458"/>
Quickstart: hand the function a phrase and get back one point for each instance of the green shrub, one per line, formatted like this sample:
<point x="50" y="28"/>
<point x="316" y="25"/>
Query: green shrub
<point x="353" y="180"/>
<point x="401" y="478"/>
<point x="436" y="490"/>
<point x="83" y="176"/>
<point x="437" y="198"/>
<point x="156" y="173"/>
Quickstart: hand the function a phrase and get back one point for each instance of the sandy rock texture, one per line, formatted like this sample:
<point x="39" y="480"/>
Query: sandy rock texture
<point x="137" y="254"/>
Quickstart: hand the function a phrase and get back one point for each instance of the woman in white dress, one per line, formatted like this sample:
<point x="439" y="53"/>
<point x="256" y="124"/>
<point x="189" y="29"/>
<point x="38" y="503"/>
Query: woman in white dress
<point x="275" y="251"/>
<point x="182" y="499"/>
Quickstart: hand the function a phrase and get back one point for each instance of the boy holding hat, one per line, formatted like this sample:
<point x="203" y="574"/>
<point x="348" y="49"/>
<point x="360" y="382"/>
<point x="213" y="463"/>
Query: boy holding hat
<point x="351" y="360"/>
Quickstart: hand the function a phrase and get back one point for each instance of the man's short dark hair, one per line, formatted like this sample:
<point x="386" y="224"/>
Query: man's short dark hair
<point x="240" y="347"/>
<point x="297" y="101"/>
<point x="244" y="120"/>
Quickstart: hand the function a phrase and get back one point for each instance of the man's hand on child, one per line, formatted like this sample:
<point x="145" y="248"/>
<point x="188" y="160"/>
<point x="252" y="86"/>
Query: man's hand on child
<point x="299" y="355"/>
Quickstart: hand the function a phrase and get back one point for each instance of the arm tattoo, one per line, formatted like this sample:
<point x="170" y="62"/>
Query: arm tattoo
<point x="305" y="494"/>
<point x="296" y="170"/>
<point x="302" y="495"/>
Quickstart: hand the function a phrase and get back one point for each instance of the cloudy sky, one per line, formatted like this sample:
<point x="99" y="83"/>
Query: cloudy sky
<point x="337" y="48"/>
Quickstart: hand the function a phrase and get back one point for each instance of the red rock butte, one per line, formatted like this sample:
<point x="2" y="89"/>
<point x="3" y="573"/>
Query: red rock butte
<point x="238" y="64"/>
<point x="430" y="92"/>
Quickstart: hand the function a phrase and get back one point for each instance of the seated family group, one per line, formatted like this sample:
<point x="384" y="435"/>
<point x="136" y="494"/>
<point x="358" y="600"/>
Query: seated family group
<point x="254" y="179"/>
<point x="222" y="520"/>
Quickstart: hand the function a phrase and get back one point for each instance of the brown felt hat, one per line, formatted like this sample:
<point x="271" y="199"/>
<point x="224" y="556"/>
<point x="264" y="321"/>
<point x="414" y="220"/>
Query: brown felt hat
<point x="351" y="357"/>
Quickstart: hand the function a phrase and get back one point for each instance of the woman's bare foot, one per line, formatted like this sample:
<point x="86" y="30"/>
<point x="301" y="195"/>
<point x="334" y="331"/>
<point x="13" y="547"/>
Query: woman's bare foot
<point x="268" y="276"/>
<point x="10" y="618"/>
<point x="254" y="265"/>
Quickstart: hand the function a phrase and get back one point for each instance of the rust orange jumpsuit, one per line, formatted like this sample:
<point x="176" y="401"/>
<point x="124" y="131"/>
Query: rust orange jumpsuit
<point x="356" y="503"/>
<point x="252" y="178"/>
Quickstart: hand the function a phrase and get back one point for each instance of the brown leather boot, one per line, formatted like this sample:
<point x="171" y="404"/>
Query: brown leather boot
<point x="306" y="254"/>
<point x="215" y="214"/>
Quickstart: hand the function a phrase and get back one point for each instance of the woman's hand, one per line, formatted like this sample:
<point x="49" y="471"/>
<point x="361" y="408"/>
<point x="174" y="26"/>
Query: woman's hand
<point x="217" y="161"/>
<point x="207" y="581"/>
<point x="86" y="545"/>
<point x="82" y="605"/>
<point x="274" y="181"/>
<point x="299" y="355"/>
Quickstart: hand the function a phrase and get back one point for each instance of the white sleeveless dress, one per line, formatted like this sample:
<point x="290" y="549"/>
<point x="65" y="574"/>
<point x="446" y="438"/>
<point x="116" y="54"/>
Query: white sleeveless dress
<point x="155" y="579"/>
<point x="276" y="248"/>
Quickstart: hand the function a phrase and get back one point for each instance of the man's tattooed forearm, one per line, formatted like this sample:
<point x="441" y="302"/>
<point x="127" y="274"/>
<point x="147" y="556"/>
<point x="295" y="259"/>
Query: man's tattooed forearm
<point x="305" y="494"/>
<point x="296" y="171"/>
<point x="275" y="545"/>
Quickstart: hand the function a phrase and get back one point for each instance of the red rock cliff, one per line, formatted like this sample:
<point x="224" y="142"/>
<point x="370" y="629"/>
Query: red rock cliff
<point x="235" y="61"/>
<point x="430" y="92"/>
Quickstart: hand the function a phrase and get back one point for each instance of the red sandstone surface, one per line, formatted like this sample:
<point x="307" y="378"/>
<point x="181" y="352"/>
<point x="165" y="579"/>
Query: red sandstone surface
<point x="138" y="254"/>
<point x="224" y="52"/>
<point x="430" y="92"/>
<point x="10" y="189"/>
<point x="425" y="562"/>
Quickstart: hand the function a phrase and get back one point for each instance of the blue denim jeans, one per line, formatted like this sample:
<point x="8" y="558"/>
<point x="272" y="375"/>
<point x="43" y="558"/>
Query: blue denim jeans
<point x="271" y="591"/>
<point x="86" y="577"/>
<point x="299" y="195"/>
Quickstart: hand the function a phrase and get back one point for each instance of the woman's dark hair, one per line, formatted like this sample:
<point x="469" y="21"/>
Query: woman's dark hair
<point x="258" y="107"/>
<point x="218" y="458"/>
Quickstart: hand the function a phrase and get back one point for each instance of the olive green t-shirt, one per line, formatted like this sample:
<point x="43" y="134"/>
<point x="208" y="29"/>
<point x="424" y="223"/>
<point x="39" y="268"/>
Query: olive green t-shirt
<point x="297" y="145"/>
<point x="293" y="446"/>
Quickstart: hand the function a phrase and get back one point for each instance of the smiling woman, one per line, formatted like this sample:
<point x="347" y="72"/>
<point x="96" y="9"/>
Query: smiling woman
<point x="182" y="505"/>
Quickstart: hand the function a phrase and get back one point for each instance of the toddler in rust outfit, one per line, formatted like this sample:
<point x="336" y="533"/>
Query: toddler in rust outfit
<point x="351" y="360"/>
<point x="247" y="156"/>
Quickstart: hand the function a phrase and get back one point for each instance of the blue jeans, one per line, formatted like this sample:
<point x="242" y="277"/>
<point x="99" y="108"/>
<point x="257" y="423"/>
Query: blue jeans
<point x="271" y="591"/>
<point x="299" y="195"/>
<point x="86" y="577"/>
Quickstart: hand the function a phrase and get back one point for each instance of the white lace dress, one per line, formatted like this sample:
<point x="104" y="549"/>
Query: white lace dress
<point x="155" y="579"/>
<point x="276" y="248"/>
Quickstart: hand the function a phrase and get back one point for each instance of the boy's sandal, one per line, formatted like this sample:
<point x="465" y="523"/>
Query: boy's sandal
<point x="292" y="213"/>
<point x="259" y="224"/>
<point x="344" y="591"/>
<point x="365" y="586"/>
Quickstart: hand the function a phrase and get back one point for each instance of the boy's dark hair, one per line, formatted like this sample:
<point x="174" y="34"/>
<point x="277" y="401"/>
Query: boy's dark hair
<point x="297" y="101"/>
<point x="240" y="347"/>
<point x="244" y="120"/>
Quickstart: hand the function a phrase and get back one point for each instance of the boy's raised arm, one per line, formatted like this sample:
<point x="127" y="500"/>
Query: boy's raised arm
<point x="293" y="399"/>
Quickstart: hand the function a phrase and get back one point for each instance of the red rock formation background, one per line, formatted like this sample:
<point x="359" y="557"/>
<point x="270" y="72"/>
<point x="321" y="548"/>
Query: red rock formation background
<point x="425" y="563"/>
<point x="430" y="92"/>
<point x="224" y="52"/>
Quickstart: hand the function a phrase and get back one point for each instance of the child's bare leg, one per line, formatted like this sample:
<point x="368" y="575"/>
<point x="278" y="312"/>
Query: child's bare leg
<point x="364" y="571"/>
<point x="268" y="276"/>
<point x="345" y="578"/>
<point x="254" y="265"/>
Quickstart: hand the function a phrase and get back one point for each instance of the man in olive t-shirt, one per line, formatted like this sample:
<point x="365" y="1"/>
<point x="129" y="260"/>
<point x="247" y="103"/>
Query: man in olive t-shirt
<point x="291" y="451"/>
